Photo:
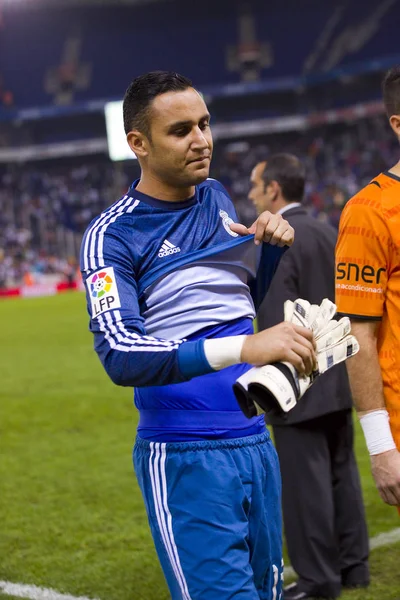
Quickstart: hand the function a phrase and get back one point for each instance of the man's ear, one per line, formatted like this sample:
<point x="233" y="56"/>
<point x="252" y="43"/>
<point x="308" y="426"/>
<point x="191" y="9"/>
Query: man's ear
<point x="138" y="143"/>
<point x="395" y="124"/>
<point x="274" y="189"/>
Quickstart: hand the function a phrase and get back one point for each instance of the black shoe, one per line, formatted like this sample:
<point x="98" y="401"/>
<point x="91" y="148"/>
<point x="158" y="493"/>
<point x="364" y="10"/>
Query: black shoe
<point x="355" y="585"/>
<point x="356" y="577"/>
<point x="352" y="585"/>
<point x="294" y="592"/>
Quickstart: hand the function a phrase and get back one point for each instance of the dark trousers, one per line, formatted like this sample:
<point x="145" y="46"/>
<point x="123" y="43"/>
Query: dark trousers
<point x="323" y="511"/>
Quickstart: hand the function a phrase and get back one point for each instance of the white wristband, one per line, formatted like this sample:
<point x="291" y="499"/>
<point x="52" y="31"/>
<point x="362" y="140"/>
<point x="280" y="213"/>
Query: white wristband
<point x="224" y="352"/>
<point x="377" y="432"/>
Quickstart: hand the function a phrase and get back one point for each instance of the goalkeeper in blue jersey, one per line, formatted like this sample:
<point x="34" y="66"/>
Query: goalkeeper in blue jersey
<point x="172" y="283"/>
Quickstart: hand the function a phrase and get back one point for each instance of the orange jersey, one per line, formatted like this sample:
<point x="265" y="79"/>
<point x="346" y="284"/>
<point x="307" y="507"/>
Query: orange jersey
<point x="368" y="275"/>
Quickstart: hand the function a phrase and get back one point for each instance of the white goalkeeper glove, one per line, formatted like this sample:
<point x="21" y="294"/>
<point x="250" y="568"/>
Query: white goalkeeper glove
<point x="277" y="387"/>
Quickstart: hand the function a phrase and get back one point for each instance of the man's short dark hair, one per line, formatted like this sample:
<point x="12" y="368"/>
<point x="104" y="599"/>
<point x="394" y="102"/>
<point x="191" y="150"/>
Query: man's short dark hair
<point x="289" y="172"/>
<point x="142" y="91"/>
<point x="391" y="91"/>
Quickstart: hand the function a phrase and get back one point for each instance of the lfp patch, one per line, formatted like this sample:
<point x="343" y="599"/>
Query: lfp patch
<point x="103" y="291"/>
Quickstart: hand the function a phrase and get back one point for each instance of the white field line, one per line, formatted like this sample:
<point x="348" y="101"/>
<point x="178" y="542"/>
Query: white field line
<point x="385" y="539"/>
<point x="32" y="592"/>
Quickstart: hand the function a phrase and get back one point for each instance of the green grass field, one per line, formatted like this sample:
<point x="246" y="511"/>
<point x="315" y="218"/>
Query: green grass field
<point x="71" y="515"/>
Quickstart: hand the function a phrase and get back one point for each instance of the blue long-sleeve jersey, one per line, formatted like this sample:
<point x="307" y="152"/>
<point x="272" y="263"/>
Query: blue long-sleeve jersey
<point x="160" y="278"/>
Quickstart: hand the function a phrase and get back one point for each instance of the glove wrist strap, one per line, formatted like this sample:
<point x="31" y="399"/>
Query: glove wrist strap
<point x="276" y="384"/>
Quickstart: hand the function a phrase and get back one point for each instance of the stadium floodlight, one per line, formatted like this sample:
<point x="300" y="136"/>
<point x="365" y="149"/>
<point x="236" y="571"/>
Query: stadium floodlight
<point x="118" y="148"/>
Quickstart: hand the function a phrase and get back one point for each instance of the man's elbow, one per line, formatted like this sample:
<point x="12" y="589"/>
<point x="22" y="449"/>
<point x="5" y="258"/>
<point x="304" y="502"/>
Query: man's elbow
<point x="129" y="369"/>
<point x="127" y="373"/>
<point x="115" y="367"/>
<point x="119" y="378"/>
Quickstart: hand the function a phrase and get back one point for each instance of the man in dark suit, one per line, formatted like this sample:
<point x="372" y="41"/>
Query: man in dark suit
<point x="323" y="511"/>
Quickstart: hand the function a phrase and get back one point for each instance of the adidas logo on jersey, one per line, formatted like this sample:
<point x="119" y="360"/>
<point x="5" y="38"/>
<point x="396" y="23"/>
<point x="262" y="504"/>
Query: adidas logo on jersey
<point x="167" y="248"/>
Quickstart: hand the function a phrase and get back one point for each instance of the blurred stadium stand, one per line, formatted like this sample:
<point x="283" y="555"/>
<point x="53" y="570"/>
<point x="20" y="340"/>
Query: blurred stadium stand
<point x="87" y="52"/>
<point x="275" y="78"/>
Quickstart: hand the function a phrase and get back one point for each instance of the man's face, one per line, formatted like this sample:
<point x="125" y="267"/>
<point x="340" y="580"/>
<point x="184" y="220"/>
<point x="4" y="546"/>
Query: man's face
<point x="259" y="193"/>
<point x="180" y="148"/>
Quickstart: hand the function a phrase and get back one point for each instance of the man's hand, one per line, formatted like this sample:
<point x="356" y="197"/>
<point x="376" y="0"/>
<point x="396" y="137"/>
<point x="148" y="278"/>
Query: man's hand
<point x="386" y="473"/>
<point x="268" y="228"/>
<point x="283" y="342"/>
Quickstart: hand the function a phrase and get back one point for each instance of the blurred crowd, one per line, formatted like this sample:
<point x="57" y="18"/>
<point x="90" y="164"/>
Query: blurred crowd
<point x="339" y="159"/>
<point x="44" y="211"/>
<point x="6" y="95"/>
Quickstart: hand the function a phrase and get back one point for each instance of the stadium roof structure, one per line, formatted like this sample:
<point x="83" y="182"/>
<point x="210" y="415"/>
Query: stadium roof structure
<point x="65" y="3"/>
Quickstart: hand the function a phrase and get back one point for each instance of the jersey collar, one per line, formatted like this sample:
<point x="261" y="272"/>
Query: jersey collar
<point x="164" y="204"/>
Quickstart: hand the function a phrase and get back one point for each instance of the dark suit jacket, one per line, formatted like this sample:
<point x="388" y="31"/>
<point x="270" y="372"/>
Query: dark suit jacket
<point x="307" y="271"/>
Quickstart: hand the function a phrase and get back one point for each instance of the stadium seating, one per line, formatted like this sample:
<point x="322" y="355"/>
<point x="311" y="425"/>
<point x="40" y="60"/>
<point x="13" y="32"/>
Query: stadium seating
<point x="95" y="50"/>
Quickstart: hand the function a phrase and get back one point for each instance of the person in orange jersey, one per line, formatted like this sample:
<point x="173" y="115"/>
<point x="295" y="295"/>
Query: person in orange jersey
<point x="368" y="291"/>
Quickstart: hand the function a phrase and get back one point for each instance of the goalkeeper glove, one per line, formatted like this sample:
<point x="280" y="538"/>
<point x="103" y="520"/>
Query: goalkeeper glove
<point x="277" y="387"/>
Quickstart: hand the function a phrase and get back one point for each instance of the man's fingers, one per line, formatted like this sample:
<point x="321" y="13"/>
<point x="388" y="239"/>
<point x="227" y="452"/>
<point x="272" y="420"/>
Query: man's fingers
<point x="268" y="228"/>
<point x="386" y="472"/>
<point x="305" y="332"/>
<point x="260" y="227"/>
<point x="301" y="353"/>
<point x="305" y="338"/>
<point x="304" y="367"/>
<point x="383" y="495"/>
<point x="266" y="225"/>
<point x="283" y="234"/>
<point x="305" y="349"/>
<point x="393" y="493"/>
<point x="240" y="229"/>
<point x="389" y="496"/>
<point x="287" y="237"/>
<point x="297" y="361"/>
<point x="252" y="228"/>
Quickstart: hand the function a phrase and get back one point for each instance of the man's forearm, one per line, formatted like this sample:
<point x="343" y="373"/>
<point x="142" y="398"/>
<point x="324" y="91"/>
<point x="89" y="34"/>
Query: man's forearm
<point x="367" y="390"/>
<point x="365" y="378"/>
